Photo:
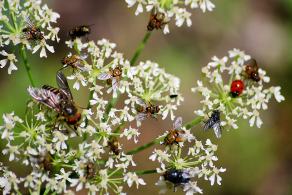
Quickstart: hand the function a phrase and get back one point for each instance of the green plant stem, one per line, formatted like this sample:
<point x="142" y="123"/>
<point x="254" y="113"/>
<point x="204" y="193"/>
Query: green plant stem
<point x="26" y="64"/>
<point x="189" y="125"/>
<point x="194" y="122"/>
<point x="145" y="146"/>
<point x="140" y="48"/>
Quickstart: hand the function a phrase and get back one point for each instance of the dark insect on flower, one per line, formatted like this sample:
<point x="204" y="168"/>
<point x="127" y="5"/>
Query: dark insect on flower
<point x="146" y="110"/>
<point x="79" y="31"/>
<point x="214" y="123"/>
<point x="172" y="96"/>
<point x="114" y="75"/>
<point x="31" y="32"/>
<point x="251" y="70"/>
<point x="74" y="61"/>
<point x="114" y="145"/>
<point x="175" y="136"/>
<point x="59" y="99"/>
<point x="236" y="88"/>
<point x="177" y="177"/>
<point x="43" y="160"/>
<point x="156" y="21"/>
<point x="89" y="170"/>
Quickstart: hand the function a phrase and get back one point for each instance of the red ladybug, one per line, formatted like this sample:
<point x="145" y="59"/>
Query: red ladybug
<point x="236" y="88"/>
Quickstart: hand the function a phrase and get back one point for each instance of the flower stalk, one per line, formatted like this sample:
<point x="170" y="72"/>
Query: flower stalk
<point x="26" y="64"/>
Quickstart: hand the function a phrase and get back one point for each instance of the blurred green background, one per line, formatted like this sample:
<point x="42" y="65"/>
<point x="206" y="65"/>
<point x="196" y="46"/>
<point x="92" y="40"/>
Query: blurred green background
<point x="258" y="161"/>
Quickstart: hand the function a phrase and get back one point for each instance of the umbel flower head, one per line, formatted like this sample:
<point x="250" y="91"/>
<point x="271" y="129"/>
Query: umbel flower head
<point x="177" y="9"/>
<point x="28" y="24"/>
<point x="234" y="87"/>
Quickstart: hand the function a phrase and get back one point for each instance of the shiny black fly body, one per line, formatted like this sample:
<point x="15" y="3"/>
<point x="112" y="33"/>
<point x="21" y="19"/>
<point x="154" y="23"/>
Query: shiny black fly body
<point x="214" y="123"/>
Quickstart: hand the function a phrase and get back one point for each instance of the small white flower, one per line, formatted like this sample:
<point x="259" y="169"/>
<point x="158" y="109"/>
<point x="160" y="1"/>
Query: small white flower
<point x="131" y="178"/>
<point x="11" y="60"/>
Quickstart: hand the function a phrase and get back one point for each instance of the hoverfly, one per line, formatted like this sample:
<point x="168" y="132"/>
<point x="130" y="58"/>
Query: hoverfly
<point x="146" y="110"/>
<point x="251" y="70"/>
<point x="74" y="61"/>
<point x="79" y="31"/>
<point x="177" y="177"/>
<point x="113" y="77"/>
<point x="32" y="33"/>
<point x="156" y="21"/>
<point x="175" y="135"/>
<point x="114" y="145"/>
<point x="214" y="123"/>
<point x="59" y="99"/>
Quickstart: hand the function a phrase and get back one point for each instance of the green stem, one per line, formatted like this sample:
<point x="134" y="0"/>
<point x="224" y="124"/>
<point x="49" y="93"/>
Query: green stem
<point x="143" y="147"/>
<point x="144" y="172"/>
<point x="194" y="122"/>
<point x="26" y="64"/>
<point x="140" y="48"/>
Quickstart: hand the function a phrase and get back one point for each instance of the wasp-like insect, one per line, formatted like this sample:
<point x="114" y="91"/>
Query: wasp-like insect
<point x="175" y="136"/>
<point x="114" y="145"/>
<point x="146" y="110"/>
<point x="113" y="77"/>
<point x="177" y="177"/>
<point x="214" y="123"/>
<point x="59" y="99"/>
<point x="251" y="70"/>
<point x="73" y="61"/>
<point x="31" y="32"/>
<point x="156" y="21"/>
<point x="79" y="31"/>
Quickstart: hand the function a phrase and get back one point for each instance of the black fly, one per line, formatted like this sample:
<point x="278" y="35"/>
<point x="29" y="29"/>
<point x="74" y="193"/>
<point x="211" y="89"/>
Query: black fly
<point x="177" y="177"/>
<point x="214" y="123"/>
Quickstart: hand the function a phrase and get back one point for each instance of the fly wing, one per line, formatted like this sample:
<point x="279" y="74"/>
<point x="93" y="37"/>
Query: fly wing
<point x="217" y="129"/>
<point x="141" y="116"/>
<point x="115" y="83"/>
<point x="208" y="124"/>
<point x="29" y="22"/>
<point x="141" y="102"/>
<point x="178" y="123"/>
<point x="45" y="97"/>
<point x="104" y="76"/>
<point x="63" y="85"/>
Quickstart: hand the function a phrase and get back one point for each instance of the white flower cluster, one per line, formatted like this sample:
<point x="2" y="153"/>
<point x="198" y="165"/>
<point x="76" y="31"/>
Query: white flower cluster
<point x="177" y="9"/>
<point x="146" y="81"/>
<point x="28" y="23"/>
<point x="57" y="165"/>
<point x="218" y="84"/>
<point x="198" y="162"/>
<point x="46" y="133"/>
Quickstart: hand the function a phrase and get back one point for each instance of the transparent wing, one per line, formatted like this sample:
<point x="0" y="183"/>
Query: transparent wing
<point x="115" y="83"/>
<point x="208" y="124"/>
<point x="141" y="102"/>
<point x="45" y="97"/>
<point x="177" y="123"/>
<point x="104" y="76"/>
<point x="141" y="116"/>
<point x="29" y="22"/>
<point x="63" y="85"/>
<point x="217" y="129"/>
